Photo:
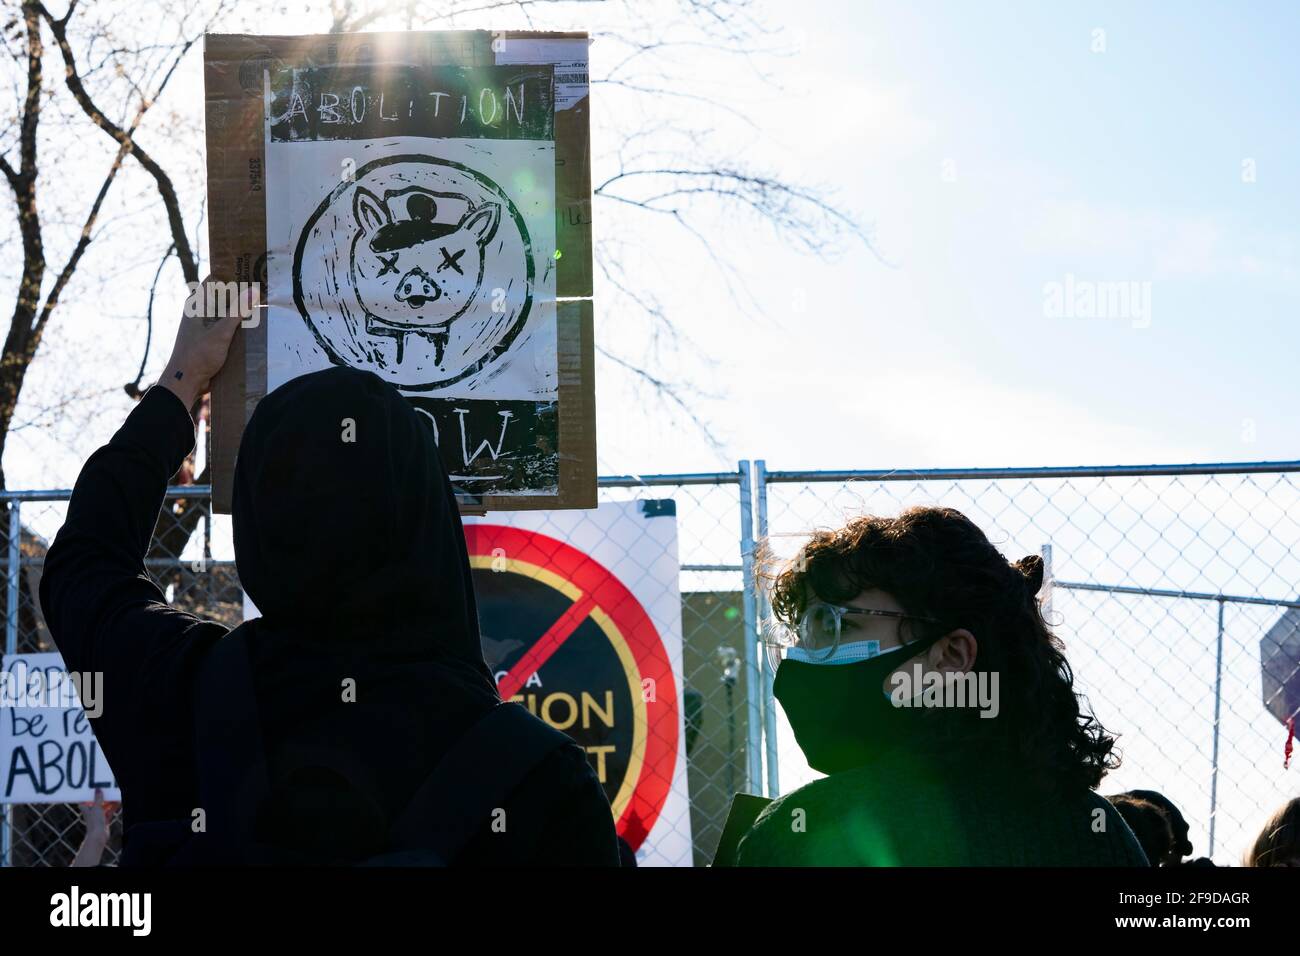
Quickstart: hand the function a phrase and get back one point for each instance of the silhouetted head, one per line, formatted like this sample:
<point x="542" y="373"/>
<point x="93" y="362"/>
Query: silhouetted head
<point x="345" y="524"/>
<point x="1151" y="825"/>
<point x="1182" y="844"/>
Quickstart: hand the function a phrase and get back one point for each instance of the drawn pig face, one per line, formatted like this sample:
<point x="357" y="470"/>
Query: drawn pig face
<point x="397" y="270"/>
<point x="418" y="272"/>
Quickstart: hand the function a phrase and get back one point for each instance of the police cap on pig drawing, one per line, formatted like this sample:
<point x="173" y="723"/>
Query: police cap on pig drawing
<point x="389" y="271"/>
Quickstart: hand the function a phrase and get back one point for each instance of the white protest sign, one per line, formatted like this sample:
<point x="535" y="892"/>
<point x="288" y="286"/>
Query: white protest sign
<point x="580" y="614"/>
<point x="48" y="753"/>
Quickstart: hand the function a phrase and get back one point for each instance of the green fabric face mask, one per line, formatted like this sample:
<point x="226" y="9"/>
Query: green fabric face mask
<point x="841" y="715"/>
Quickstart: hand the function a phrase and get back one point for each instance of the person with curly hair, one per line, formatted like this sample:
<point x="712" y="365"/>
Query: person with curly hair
<point x="916" y="670"/>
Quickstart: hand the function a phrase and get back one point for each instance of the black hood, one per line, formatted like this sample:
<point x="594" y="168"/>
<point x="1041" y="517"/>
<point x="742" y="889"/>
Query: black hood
<point x="346" y="528"/>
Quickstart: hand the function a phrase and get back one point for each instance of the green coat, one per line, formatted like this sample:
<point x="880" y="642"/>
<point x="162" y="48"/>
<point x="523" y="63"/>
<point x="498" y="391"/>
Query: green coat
<point x="966" y="811"/>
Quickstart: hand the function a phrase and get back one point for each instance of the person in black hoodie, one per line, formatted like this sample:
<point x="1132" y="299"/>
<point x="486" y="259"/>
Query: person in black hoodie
<point x="362" y="674"/>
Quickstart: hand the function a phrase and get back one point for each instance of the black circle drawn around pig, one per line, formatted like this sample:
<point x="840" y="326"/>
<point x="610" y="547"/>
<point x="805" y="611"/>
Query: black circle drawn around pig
<point x="389" y="271"/>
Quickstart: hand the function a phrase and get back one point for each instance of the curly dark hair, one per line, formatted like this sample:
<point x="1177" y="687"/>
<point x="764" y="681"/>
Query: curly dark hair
<point x="938" y="564"/>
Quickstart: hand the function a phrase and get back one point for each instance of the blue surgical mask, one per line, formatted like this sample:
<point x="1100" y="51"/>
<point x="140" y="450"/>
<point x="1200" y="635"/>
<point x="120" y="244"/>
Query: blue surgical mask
<point x="844" y="654"/>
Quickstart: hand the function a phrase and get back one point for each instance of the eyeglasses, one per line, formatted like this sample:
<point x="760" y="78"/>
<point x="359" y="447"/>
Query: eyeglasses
<point x="819" y="631"/>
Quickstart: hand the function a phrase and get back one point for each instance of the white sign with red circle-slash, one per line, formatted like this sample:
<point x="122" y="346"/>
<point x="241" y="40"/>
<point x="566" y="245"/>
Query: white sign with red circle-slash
<point x="580" y="613"/>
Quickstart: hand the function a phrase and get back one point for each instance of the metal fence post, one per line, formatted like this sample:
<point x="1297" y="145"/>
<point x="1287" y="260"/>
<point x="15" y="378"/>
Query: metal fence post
<point x="753" y="683"/>
<point x="12" y="592"/>
<point x="764" y="611"/>
<point x="1218" y="700"/>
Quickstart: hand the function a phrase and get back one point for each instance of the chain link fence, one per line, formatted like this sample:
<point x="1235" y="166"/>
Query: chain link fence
<point x="191" y="559"/>
<point x="1174" y="588"/>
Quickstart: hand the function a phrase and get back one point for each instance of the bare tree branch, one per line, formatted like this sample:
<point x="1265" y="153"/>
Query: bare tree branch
<point x="671" y="393"/>
<point x="65" y="274"/>
<point x="166" y="190"/>
<point x="13" y="359"/>
<point x="133" y="388"/>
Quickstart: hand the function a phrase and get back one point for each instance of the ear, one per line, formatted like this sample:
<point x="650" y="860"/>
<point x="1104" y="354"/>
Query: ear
<point x="954" y="652"/>
<point x="368" y="211"/>
<point x="482" y="222"/>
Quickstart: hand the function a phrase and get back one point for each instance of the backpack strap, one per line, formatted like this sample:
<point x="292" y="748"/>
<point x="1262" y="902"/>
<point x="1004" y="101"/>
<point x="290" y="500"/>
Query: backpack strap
<point x="473" y="779"/>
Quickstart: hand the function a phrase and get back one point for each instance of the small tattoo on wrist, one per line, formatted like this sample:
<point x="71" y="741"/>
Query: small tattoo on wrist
<point x="179" y="376"/>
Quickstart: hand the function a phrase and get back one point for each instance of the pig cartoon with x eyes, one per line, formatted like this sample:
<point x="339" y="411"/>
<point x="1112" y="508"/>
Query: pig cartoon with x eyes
<point x="418" y="273"/>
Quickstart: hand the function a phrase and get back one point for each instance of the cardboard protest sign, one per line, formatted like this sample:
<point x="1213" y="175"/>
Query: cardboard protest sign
<point x="48" y="752"/>
<point x="581" y="616"/>
<point x="417" y="205"/>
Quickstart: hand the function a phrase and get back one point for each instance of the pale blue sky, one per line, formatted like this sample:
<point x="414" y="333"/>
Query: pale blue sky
<point x="1122" y="165"/>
